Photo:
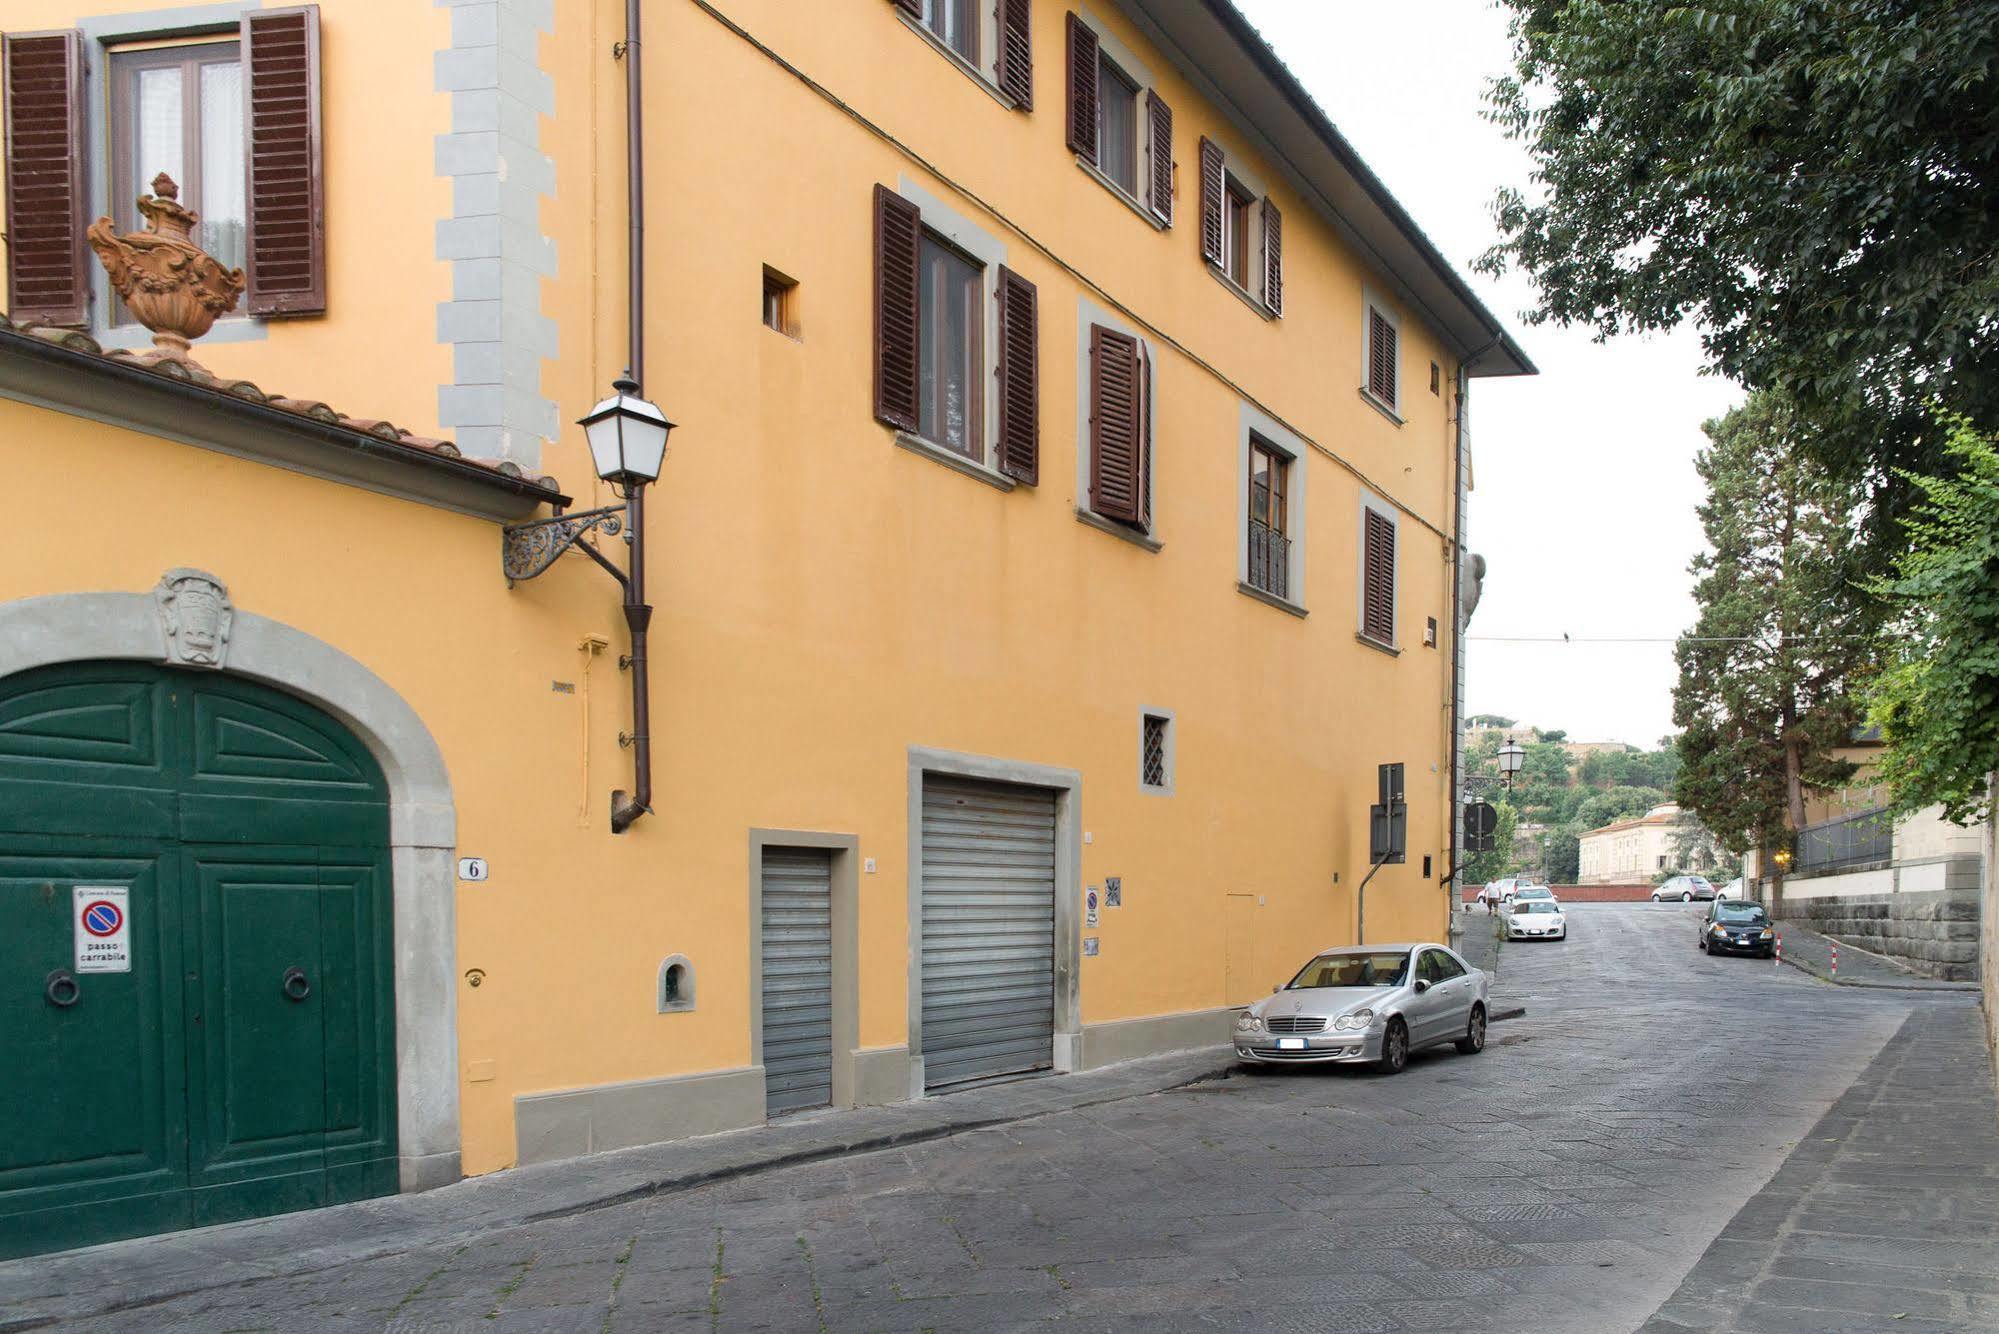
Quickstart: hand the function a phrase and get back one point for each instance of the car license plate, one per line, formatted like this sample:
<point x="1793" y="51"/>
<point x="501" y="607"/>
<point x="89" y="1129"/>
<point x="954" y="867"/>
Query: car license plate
<point x="1290" y="1044"/>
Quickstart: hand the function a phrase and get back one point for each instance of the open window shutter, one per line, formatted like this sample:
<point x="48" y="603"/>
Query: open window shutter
<point x="1143" y="371"/>
<point x="48" y="280"/>
<point x="283" y="180"/>
<point x="1016" y="52"/>
<point x="898" y="239"/>
<point x="1273" y="257"/>
<point x="1378" y="597"/>
<point x="1162" y="157"/>
<point x="1115" y="408"/>
<point x="1019" y="383"/>
<point x="1381" y="350"/>
<point x="913" y="8"/>
<point x="1211" y="201"/>
<point x="1082" y="89"/>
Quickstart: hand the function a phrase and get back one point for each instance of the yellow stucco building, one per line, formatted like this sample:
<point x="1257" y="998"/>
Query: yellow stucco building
<point x="1056" y="537"/>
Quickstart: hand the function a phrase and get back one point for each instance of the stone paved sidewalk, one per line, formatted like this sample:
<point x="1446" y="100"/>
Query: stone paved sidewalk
<point x="1886" y="1217"/>
<point x="48" y="1290"/>
<point x="1811" y="951"/>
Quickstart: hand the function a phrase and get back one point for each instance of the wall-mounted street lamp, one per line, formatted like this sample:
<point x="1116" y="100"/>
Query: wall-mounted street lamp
<point x="1511" y="756"/>
<point x="627" y="438"/>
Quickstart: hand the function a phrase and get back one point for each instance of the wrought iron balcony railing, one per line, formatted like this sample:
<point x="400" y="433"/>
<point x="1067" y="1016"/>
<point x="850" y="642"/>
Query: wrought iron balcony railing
<point x="1269" y="560"/>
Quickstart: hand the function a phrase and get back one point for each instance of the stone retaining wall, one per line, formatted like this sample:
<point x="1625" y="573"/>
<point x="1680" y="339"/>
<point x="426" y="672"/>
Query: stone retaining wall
<point x="1934" y="932"/>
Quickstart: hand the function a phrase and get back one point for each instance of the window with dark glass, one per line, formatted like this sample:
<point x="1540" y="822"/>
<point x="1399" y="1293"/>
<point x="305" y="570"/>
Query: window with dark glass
<point x="1117" y="126"/>
<point x="950" y="350"/>
<point x="1236" y="206"/>
<point x="1269" y="539"/>
<point x="956" y="23"/>
<point x="1155" y="756"/>
<point x="778" y="293"/>
<point x="179" y="110"/>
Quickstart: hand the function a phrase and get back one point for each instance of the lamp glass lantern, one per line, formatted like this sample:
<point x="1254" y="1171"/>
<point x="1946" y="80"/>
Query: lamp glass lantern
<point x="627" y="436"/>
<point x="1511" y="756"/>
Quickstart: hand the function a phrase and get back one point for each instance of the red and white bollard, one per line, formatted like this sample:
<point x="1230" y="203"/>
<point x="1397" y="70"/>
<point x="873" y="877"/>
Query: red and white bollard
<point x="1835" y="960"/>
<point x="1777" y="954"/>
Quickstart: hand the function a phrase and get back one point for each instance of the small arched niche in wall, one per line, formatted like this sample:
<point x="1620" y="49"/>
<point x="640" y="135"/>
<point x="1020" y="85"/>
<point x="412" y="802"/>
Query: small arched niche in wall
<point x="676" y="984"/>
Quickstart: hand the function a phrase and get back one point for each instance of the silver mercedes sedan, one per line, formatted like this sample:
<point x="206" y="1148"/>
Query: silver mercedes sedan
<point x="1368" y="1003"/>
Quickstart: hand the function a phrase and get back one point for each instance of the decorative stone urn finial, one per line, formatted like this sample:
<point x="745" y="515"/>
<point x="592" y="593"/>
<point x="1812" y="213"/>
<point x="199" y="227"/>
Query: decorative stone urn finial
<point x="170" y="284"/>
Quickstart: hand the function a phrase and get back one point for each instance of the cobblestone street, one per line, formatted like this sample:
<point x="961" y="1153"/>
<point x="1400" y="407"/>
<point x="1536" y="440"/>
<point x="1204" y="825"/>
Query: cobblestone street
<point x="1569" y="1178"/>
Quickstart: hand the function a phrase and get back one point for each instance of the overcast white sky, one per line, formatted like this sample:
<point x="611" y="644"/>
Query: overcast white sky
<point x="1584" y="505"/>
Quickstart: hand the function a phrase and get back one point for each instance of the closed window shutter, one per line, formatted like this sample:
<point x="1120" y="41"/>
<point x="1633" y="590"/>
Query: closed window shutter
<point x="1019" y="379"/>
<point x="1016" y="52"/>
<point x="898" y="240"/>
<point x="1115" y="410"/>
<point x="913" y="8"/>
<point x="1082" y="90"/>
<point x="1378" y="597"/>
<point x="48" y="279"/>
<point x="284" y="182"/>
<point x="1381" y="351"/>
<point x="1162" y="157"/>
<point x="1211" y="201"/>
<point x="1273" y="257"/>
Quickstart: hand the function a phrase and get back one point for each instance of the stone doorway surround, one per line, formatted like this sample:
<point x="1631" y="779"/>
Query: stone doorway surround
<point x="149" y="627"/>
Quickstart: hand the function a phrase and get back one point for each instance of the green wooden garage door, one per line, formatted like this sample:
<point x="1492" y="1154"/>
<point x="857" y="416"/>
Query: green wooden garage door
<point x="244" y="1063"/>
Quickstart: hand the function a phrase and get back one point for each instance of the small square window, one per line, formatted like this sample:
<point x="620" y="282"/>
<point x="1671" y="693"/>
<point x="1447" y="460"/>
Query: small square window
<point x="779" y="300"/>
<point x="1155" y="752"/>
<point x="1436" y="379"/>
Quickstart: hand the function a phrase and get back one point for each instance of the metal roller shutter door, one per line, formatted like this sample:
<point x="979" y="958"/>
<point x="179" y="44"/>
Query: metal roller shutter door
<point x="797" y="979"/>
<point x="988" y="929"/>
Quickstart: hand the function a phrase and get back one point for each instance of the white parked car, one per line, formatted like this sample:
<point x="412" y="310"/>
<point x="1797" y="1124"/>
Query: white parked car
<point x="1731" y="890"/>
<point x="1502" y="889"/>
<point x="1536" y="919"/>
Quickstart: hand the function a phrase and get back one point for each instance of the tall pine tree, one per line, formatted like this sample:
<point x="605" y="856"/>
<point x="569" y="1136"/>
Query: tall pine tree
<point x="1768" y="673"/>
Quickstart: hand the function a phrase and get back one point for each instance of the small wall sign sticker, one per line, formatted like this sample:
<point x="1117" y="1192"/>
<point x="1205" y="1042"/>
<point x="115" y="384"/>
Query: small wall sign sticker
<point x="473" y="868"/>
<point x="1090" y="906"/>
<point x="1114" y="891"/>
<point x="1089" y="947"/>
<point x="103" y="928"/>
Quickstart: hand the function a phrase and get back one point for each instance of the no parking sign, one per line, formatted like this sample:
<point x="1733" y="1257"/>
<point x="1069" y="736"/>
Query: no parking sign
<point x="103" y="928"/>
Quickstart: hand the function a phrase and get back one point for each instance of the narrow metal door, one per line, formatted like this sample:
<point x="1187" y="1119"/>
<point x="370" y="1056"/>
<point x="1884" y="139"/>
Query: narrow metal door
<point x="988" y="906"/>
<point x="797" y="978"/>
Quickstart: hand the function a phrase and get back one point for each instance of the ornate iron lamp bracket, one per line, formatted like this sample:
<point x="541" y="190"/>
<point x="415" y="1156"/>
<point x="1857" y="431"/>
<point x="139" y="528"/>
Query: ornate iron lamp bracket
<point x="527" y="549"/>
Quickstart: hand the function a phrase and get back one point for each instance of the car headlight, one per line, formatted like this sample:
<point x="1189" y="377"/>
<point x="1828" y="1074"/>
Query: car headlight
<point x="1350" y="1023"/>
<point x="1719" y="929"/>
<point x="1249" y="1023"/>
<point x="1767" y="933"/>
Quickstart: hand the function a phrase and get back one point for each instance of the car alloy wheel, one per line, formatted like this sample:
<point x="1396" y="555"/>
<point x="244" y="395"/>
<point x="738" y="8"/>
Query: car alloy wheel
<point x="1686" y="896"/>
<point x="1473" y="1042"/>
<point x="1395" y="1048"/>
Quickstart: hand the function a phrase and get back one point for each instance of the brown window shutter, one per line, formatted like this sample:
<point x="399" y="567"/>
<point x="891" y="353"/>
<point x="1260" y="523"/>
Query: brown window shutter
<point x="1378" y="598"/>
<point x="1019" y="379"/>
<point x="913" y="8"/>
<point x="1162" y="157"/>
<point x="1082" y="89"/>
<point x="283" y="180"/>
<point x="1381" y="350"/>
<point x="898" y="241"/>
<point x="48" y="278"/>
<point x="1116" y="409"/>
<point x="1273" y="257"/>
<point x="1211" y="201"/>
<point x="1016" y="52"/>
<point x="1144" y="446"/>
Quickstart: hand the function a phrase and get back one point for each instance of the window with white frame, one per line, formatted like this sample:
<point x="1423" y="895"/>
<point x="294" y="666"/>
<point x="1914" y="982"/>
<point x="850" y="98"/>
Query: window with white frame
<point x="1270" y="513"/>
<point x="1155" y="751"/>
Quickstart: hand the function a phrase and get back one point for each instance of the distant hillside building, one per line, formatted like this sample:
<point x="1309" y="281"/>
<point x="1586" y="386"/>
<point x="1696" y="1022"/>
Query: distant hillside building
<point x="1634" y="851"/>
<point x="1582" y="750"/>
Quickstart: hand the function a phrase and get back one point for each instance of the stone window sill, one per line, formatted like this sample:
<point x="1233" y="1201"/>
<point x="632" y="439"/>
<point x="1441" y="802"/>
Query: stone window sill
<point x="1116" y="529"/>
<point x="1122" y="195"/>
<point x="1261" y="595"/>
<point x="1385" y="409"/>
<point x="1373" y="643"/>
<point x="952" y="459"/>
<point x="1240" y="293"/>
<point x="965" y="67"/>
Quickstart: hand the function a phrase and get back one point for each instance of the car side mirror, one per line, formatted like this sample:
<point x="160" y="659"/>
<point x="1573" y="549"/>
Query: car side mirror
<point x="1276" y="987"/>
<point x="1421" y="986"/>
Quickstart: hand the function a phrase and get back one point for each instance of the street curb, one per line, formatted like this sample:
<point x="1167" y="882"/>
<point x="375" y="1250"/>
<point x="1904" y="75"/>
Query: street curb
<point x="1510" y="1012"/>
<point x="1933" y="986"/>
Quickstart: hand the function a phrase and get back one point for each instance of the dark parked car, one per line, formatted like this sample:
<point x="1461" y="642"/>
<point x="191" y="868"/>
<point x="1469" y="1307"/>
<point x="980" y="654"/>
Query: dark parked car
<point x="1734" y="927"/>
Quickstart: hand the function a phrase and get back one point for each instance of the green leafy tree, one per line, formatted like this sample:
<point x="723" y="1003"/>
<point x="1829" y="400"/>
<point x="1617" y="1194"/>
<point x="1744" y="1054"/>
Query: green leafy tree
<point x="1558" y="736"/>
<point x="1937" y="698"/>
<point x="1545" y="762"/>
<point x="1809" y="181"/>
<point x="1564" y="857"/>
<point x="1617" y="803"/>
<point x="1765" y="691"/>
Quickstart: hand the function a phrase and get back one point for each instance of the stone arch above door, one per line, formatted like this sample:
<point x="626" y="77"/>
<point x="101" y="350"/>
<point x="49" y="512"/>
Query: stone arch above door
<point x="78" y="627"/>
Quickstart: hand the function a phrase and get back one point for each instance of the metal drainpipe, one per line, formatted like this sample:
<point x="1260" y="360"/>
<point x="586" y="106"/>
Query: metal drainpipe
<point x="638" y="614"/>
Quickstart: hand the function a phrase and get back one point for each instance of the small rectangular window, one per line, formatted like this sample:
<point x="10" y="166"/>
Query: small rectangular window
<point x="1269" y="535"/>
<point x="956" y="23"/>
<point x="1236" y="206"/>
<point x="951" y="350"/>
<point x="1155" y="752"/>
<point x="778" y="302"/>
<point x="1117" y="126"/>
<point x="1436" y="379"/>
